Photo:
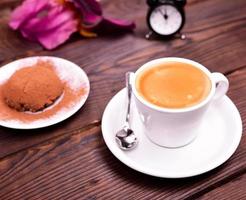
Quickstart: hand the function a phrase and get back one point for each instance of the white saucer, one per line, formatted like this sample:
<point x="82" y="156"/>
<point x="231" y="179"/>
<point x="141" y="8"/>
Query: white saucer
<point x="67" y="71"/>
<point x="216" y="142"/>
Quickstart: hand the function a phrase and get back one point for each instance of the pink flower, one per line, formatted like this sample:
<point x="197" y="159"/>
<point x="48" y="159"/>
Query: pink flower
<point x="51" y="22"/>
<point x="45" y="21"/>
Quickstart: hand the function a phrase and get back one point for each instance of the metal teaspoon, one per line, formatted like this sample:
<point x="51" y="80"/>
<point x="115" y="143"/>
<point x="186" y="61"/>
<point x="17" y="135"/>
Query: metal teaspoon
<point x="125" y="138"/>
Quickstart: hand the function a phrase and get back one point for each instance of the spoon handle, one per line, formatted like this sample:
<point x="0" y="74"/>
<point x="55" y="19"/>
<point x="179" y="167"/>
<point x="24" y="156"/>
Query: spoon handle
<point x="129" y="95"/>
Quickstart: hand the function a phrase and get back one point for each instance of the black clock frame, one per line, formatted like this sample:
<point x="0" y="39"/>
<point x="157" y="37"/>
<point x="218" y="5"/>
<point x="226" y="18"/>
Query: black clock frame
<point x="157" y="3"/>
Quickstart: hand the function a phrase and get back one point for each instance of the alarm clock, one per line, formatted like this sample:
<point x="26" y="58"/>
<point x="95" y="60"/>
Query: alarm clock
<point x="166" y="17"/>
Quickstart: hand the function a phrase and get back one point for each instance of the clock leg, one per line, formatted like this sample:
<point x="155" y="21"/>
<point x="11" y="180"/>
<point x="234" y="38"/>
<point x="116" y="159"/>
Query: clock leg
<point x="148" y="35"/>
<point x="181" y="36"/>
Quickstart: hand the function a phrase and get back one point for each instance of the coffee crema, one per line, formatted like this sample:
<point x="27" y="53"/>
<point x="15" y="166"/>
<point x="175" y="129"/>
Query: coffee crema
<point x="173" y="85"/>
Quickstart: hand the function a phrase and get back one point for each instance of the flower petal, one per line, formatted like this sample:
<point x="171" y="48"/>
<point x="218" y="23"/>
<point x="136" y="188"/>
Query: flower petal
<point x="92" y="18"/>
<point x="26" y="11"/>
<point x="59" y="26"/>
<point x="90" y="11"/>
<point x="108" y="25"/>
<point x="117" y="24"/>
<point x="51" y="24"/>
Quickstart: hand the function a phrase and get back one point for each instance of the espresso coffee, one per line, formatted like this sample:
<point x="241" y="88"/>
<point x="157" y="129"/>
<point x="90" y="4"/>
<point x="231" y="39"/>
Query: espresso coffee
<point x="173" y="85"/>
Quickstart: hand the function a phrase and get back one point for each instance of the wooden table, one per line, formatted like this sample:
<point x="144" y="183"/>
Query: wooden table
<point x="70" y="160"/>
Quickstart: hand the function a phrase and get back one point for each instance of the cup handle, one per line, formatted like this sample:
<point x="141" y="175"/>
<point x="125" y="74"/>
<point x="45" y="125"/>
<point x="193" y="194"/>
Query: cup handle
<point x="221" y="85"/>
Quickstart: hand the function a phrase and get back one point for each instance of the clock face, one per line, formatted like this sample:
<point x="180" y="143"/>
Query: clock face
<point x="165" y="20"/>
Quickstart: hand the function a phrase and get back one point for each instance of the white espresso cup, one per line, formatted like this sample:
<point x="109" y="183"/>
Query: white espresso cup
<point x="176" y="127"/>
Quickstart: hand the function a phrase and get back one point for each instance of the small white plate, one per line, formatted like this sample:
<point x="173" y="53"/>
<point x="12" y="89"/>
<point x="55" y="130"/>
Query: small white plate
<point x="66" y="71"/>
<point x="220" y="134"/>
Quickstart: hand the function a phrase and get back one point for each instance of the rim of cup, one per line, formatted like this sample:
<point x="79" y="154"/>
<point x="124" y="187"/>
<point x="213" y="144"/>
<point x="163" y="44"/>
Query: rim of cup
<point x="158" y="61"/>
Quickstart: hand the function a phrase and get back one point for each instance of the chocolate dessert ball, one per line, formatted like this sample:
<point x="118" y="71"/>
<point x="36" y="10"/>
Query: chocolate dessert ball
<point x="32" y="88"/>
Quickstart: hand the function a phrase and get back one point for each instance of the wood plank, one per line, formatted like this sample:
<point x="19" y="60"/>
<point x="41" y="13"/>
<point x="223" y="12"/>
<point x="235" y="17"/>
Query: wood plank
<point x="233" y="190"/>
<point x="215" y="36"/>
<point x="211" y="24"/>
<point x="79" y="165"/>
<point x="71" y="161"/>
<point x="217" y="32"/>
<point x="220" y="47"/>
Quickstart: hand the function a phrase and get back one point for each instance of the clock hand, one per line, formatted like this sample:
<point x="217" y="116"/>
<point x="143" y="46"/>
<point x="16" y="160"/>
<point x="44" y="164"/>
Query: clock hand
<point x="160" y="11"/>
<point x="165" y="13"/>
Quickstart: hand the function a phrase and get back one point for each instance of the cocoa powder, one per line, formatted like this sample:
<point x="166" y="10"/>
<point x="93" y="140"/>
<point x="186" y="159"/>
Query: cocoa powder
<point x="69" y="97"/>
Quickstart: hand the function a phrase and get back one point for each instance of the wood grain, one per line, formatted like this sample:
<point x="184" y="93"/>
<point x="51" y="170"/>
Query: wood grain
<point x="219" y="45"/>
<point x="233" y="190"/>
<point x="216" y="34"/>
<point x="70" y="160"/>
<point x="79" y="165"/>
